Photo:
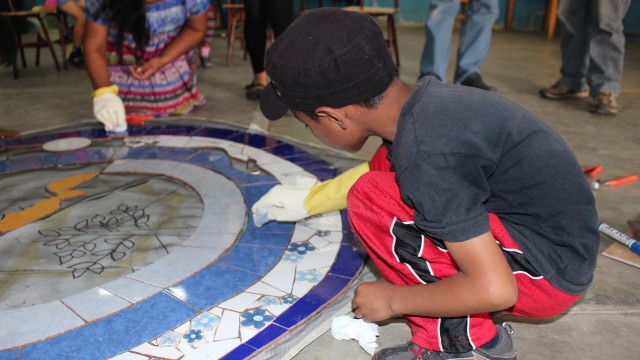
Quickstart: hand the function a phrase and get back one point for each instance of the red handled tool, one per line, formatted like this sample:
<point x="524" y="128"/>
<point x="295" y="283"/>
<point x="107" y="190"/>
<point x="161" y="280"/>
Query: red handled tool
<point x="596" y="184"/>
<point x="138" y="119"/>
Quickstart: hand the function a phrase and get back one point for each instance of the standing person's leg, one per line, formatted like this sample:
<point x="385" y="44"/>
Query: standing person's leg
<point x="606" y="53"/>
<point x="573" y="20"/>
<point x="475" y="40"/>
<point x="255" y="34"/>
<point x="205" y="48"/>
<point x="76" y="10"/>
<point x="281" y="15"/>
<point x="437" y="46"/>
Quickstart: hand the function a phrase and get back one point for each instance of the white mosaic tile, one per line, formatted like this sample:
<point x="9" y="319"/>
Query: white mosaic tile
<point x="25" y="330"/>
<point x="160" y="352"/>
<point x="229" y="325"/>
<point x="240" y="302"/>
<point x="129" y="356"/>
<point x="131" y="290"/>
<point x="321" y="258"/>
<point x="95" y="303"/>
<point x="262" y="288"/>
<point x="281" y="277"/>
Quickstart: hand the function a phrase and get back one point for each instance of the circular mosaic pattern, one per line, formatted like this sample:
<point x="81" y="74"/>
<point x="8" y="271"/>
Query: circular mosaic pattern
<point x="183" y="277"/>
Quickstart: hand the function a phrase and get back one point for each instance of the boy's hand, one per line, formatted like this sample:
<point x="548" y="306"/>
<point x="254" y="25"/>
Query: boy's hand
<point x="372" y="301"/>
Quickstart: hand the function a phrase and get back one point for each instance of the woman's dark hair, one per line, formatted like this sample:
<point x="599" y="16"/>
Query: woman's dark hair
<point x="8" y="42"/>
<point x="128" y="16"/>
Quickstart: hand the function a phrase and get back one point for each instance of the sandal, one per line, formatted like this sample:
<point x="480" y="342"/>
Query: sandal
<point x="254" y="90"/>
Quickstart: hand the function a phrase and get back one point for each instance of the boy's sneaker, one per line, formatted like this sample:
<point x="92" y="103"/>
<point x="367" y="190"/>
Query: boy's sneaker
<point x="76" y="58"/>
<point x="499" y="348"/>
<point x="475" y="80"/>
<point x="560" y="91"/>
<point x="604" y="104"/>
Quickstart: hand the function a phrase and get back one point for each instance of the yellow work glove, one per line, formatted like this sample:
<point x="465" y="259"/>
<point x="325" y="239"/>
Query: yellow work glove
<point x="108" y="108"/>
<point x="296" y="202"/>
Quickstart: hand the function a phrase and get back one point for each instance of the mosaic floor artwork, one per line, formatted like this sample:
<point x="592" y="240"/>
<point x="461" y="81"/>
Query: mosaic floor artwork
<point x="142" y="246"/>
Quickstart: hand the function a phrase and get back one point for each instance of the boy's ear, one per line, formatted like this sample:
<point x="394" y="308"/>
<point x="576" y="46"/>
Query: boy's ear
<point x="336" y="116"/>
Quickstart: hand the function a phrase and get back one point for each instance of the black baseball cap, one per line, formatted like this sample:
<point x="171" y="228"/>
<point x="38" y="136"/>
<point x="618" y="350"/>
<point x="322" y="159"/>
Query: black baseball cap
<point x="326" y="57"/>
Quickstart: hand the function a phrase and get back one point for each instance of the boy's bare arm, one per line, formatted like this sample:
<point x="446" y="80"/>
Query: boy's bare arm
<point x="484" y="283"/>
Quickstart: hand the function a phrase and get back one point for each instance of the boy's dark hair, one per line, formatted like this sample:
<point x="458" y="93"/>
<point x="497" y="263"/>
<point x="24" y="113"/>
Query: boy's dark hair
<point x="8" y="42"/>
<point x="128" y="16"/>
<point x="327" y="57"/>
<point x="367" y="104"/>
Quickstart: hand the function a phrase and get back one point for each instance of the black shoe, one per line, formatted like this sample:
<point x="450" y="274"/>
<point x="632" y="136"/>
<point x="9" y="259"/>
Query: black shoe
<point x="76" y="58"/>
<point x="254" y="90"/>
<point x="475" y="80"/>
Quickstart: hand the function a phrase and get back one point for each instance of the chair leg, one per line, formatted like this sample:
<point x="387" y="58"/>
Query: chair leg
<point x="63" y="45"/>
<point x="231" y="36"/>
<point x="550" y="21"/>
<point x="393" y="39"/>
<point x="46" y="42"/>
<point x="16" y="75"/>
<point x="509" y="19"/>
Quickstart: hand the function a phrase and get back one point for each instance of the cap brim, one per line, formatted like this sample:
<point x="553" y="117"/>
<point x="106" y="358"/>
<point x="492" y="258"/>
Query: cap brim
<point x="272" y="108"/>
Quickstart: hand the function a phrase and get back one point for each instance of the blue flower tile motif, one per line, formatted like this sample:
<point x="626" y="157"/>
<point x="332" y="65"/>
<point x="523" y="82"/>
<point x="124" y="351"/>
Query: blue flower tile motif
<point x="169" y="339"/>
<point x="204" y="321"/>
<point x="193" y="336"/>
<point x="269" y="300"/>
<point x="292" y="258"/>
<point x="312" y="276"/>
<point x="289" y="299"/>
<point x="257" y="318"/>
<point x="301" y="248"/>
<point x="322" y="233"/>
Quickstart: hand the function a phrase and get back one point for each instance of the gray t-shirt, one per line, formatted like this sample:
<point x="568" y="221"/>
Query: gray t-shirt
<point x="461" y="152"/>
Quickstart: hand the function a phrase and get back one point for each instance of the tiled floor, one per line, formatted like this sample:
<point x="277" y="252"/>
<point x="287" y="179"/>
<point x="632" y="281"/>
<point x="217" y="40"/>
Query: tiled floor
<point x="602" y="325"/>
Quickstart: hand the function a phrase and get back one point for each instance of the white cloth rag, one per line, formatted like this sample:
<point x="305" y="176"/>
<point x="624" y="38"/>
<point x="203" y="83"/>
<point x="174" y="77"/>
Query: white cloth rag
<point x="345" y="328"/>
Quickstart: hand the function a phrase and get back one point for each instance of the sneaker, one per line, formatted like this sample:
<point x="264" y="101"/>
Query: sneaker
<point x="475" y="80"/>
<point x="76" y="58"/>
<point x="499" y="348"/>
<point x="560" y="91"/>
<point x="604" y="104"/>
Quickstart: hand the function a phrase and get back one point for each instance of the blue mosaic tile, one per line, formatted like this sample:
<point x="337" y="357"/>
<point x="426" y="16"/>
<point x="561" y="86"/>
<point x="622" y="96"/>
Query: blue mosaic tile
<point x="24" y="163"/>
<point x="140" y="323"/>
<point x="168" y="153"/>
<point x="215" y="284"/>
<point x="74" y="157"/>
<point x="257" y="259"/>
<point x="265" y="238"/>
<point x="349" y="261"/>
<point x="240" y="353"/>
<point x="10" y="354"/>
<point x="266" y="336"/>
<point x="212" y="160"/>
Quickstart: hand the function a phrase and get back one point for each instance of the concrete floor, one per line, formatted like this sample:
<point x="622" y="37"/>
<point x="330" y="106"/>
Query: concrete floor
<point x="601" y="325"/>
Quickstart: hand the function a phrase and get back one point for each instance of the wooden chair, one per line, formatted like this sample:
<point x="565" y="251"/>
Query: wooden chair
<point x="551" y="15"/>
<point x="387" y="13"/>
<point x="235" y="21"/>
<point x="38" y="16"/>
<point x="464" y="4"/>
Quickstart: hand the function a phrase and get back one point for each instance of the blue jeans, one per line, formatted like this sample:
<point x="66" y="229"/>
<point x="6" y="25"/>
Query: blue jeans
<point x="473" y="45"/>
<point x="592" y="44"/>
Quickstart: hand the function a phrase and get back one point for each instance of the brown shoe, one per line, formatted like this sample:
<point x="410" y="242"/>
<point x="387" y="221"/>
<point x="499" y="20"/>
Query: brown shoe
<point x="560" y="91"/>
<point x="604" y="104"/>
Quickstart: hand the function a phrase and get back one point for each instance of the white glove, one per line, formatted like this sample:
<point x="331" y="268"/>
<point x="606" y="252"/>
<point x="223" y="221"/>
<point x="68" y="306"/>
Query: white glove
<point x="281" y="203"/>
<point x="108" y="108"/>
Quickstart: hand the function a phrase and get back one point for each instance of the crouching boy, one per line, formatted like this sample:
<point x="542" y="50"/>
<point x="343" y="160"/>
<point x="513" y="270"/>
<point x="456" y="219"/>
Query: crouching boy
<point x="471" y="206"/>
